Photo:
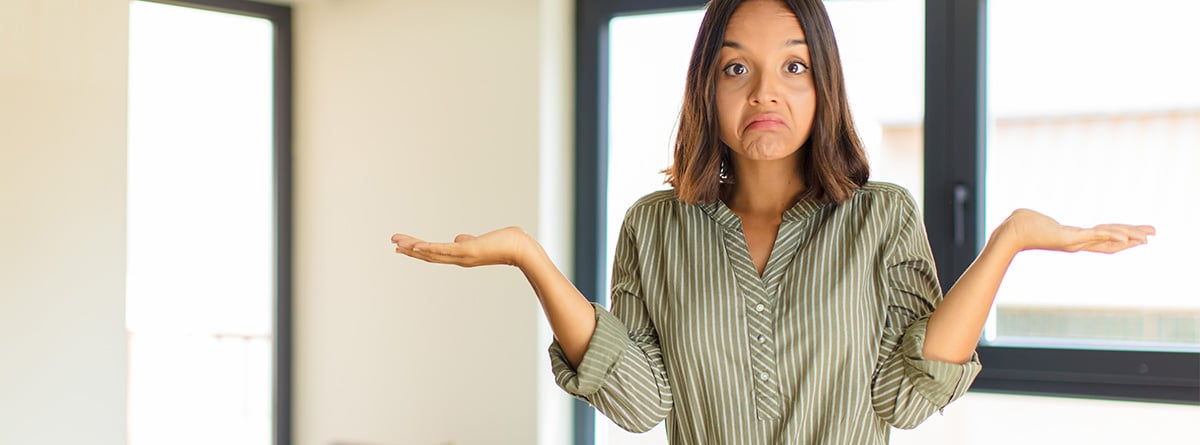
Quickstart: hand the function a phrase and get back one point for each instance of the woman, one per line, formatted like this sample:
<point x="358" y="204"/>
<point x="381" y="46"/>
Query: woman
<point x="774" y="295"/>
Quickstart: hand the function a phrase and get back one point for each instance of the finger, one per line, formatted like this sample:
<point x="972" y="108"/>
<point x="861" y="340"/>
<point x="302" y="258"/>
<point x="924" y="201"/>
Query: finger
<point x="448" y="249"/>
<point x="1135" y="233"/>
<point x="438" y="258"/>
<point x="420" y="254"/>
<point x="1142" y="232"/>
<point x="464" y="237"/>
<point x="1115" y="245"/>
<point x="1109" y="247"/>
<point x="1122" y="233"/>
<point x="407" y="243"/>
<point x="401" y="238"/>
<point x="407" y="251"/>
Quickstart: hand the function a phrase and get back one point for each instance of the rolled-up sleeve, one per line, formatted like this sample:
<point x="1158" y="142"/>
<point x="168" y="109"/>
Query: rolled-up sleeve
<point x="907" y="388"/>
<point x="622" y="372"/>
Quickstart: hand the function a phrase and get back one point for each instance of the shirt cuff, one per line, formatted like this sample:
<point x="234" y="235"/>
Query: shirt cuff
<point x="937" y="381"/>
<point x="605" y="349"/>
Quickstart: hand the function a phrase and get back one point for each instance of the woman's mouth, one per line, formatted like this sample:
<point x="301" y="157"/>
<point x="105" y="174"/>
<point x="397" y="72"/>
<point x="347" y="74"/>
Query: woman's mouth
<point x="765" y="122"/>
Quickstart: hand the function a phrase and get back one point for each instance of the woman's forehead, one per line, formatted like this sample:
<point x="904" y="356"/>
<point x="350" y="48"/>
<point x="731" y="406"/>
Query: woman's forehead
<point x="763" y="20"/>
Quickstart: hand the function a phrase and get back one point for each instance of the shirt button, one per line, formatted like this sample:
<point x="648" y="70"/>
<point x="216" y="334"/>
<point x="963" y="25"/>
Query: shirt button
<point x="762" y="376"/>
<point x="760" y="307"/>
<point x="761" y="339"/>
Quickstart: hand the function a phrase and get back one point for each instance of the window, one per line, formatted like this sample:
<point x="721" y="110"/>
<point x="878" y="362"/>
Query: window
<point x="1088" y="146"/>
<point x="980" y="129"/>
<point x="208" y="214"/>
<point x="934" y="128"/>
<point x="648" y="58"/>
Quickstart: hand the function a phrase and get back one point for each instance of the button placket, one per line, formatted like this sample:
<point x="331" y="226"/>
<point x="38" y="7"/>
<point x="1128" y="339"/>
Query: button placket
<point x="763" y="366"/>
<point x="760" y="297"/>
<point x="759" y="323"/>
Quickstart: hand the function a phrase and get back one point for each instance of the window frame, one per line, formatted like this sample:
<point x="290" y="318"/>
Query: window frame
<point x="955" y="164"/>
<point x="955" y="142"/>
<point x="591" y="155"/>
<point x="280" y="17"/>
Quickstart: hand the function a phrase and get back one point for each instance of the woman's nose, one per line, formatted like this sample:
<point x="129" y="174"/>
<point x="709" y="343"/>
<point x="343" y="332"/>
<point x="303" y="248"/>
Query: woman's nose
<point x="766" y="89"/>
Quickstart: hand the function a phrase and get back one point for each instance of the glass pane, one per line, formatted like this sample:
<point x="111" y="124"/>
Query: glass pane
<point x="981" y="418"/>
<point x="200" y="171"/>
<point x="648" y="56"/>
<point x="885" y="82"/>
<point x="200" y="273"/>
<point x="1095" y="118"/>
<point x="199" y="390"/>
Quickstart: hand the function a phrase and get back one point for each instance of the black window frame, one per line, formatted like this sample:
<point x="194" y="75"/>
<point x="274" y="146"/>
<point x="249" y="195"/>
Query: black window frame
<point x="955" y="156"/>
<point x="280" y="17"/>
<point x="955" y="142"/>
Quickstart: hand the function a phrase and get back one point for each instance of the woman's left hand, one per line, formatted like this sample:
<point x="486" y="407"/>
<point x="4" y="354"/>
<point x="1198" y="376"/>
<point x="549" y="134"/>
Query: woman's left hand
<point x="1026" y="230"/>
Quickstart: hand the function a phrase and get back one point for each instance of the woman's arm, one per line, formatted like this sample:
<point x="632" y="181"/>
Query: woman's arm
<point x="611" y="359"/>
<point x="571" y="316"/>
<point x="954" y="328"/>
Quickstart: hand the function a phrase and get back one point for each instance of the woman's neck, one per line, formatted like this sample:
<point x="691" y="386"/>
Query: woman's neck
<point x="763" y="189"/>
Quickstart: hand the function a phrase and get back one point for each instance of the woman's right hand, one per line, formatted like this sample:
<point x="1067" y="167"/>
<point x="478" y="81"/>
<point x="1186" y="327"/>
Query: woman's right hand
<point x="571" y="316"/>
<point x="510" y="245"/>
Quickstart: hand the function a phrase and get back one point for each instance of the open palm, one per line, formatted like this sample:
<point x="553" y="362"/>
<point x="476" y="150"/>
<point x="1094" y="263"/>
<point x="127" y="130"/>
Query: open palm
<point x="503" y="246"/>
<point x="1038" y="231"/>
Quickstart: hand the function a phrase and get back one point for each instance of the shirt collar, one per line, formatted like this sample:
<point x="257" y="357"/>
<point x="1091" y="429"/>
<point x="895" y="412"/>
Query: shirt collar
<point x="719" y="212"/>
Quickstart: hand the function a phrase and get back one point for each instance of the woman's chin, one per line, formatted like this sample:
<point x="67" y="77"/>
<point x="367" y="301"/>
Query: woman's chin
<point x="769" y="153"/>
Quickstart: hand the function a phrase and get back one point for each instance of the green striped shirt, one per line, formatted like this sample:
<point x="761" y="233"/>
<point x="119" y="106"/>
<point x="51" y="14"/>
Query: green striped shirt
<point x="823" y="348"/>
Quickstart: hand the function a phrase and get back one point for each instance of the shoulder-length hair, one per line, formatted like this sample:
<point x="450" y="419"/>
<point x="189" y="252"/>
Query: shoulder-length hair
<point x="832" y="161"/>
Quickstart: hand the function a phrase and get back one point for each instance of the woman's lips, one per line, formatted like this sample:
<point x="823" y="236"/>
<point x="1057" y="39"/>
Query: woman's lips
<point x="765" y="122"/>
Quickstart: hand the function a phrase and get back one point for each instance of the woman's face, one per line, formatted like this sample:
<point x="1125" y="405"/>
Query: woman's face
<point x="765" y="94"/>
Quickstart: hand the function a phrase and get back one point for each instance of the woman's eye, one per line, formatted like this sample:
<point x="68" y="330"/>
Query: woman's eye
<point x="796" y="68"/>
<point x="735" y="69"/>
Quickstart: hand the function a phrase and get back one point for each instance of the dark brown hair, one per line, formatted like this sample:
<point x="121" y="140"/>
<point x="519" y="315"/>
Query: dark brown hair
<point x="832" y="161"/>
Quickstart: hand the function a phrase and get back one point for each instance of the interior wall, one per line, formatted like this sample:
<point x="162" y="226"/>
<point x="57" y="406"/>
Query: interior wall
<point x="424" y="118"/>
<point x="63" y="348"/>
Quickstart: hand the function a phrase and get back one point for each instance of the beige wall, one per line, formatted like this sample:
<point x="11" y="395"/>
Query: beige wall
<point x="62" y="221"/>
<point x="428" y="118"/>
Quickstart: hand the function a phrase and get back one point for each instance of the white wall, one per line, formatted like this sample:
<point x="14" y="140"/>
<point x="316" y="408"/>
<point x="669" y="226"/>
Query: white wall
<point x="62" y="221"/>
<point x="429" y="118"/>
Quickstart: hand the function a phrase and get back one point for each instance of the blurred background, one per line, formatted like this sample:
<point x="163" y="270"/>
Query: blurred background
<point x="196" y="200"/>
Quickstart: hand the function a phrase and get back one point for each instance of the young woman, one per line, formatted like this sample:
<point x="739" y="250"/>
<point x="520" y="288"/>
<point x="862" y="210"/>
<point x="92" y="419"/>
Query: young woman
<point x="774" y="295"/>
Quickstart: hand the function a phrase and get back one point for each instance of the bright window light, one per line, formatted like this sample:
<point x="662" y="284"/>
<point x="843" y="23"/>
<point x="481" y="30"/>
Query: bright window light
<point x="200" y="283"/>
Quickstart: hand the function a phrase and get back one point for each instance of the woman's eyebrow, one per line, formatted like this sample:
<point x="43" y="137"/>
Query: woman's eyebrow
<point x="789" y="43"/>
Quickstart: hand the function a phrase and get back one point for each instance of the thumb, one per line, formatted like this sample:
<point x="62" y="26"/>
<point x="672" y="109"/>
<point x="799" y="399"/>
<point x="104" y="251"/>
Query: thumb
<point x="463" y="237"/>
